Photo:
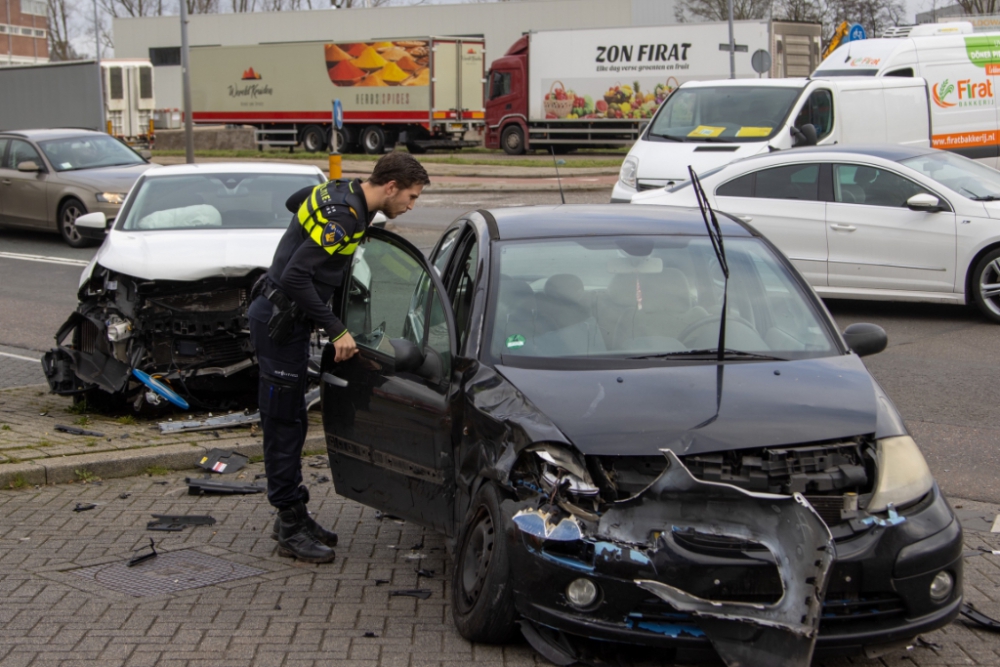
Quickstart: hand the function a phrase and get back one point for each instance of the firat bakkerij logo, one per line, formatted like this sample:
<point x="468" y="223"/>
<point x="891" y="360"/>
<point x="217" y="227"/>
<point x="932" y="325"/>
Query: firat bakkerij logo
<point x="970" y="93"/>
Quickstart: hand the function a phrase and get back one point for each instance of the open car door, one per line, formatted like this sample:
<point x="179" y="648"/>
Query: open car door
<point x="386" y="412"/>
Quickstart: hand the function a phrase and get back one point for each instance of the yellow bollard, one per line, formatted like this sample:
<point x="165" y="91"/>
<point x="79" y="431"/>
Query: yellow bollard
<point x="335" y="170"/>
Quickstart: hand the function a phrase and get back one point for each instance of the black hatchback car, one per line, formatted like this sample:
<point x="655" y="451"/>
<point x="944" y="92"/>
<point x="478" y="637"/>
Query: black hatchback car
<point x="546" y="390"/>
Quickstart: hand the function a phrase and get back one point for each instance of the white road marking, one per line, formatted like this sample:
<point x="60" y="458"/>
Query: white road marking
<point x="18" y="356"/>
<point x="65" y="261"/>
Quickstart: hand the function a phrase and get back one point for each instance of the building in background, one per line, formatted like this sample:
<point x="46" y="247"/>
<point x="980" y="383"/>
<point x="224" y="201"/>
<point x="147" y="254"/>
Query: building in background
<point x="24" y="32"/>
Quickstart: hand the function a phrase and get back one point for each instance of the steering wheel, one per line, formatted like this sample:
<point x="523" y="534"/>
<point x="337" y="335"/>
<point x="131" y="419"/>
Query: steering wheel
<point x="705" y="321"/>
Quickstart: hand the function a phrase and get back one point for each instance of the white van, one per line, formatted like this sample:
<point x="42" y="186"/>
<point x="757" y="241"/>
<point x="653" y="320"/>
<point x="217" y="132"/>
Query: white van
<point x="962" y="70"/>
<point x="707" y="124"/>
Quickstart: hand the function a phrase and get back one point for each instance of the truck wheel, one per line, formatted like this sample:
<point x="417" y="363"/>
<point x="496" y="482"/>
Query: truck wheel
<point x="373" y="140"/>
<point x="313" y="139"/>
<point x="512" y="140"/>
<point x="70" y="210"/>
<point x="986" y="285"/>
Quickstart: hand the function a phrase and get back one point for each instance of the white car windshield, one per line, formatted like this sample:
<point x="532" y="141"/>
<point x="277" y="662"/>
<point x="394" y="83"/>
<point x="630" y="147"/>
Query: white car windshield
<point x="723" y="113"/>
<point x="635" y="297"/>
<point x="965" y="176"/>
<point x="89" y="151"/>
<point x="213" y="201"/>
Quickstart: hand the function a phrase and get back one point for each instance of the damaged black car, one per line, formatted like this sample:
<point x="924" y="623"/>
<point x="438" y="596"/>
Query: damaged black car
<point x="637" y="432"/>
<point x="163" y="304"/>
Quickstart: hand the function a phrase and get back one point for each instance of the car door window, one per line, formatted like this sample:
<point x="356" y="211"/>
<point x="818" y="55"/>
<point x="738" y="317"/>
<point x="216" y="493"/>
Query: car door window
<point x="3" y="151"/>
<point x="443" y="250"/>
<point x="22" y="151"/>
<point x="797" y="181"/>
<point x="738" y="187"/>
<point x="390" y="297"/>
<point x="872" y="186"/>
<point x="462" y="288"/>
<point x="817" y="110"/>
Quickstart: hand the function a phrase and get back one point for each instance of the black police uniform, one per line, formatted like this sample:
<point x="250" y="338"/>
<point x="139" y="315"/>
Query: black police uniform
<point x="309" y="264"/>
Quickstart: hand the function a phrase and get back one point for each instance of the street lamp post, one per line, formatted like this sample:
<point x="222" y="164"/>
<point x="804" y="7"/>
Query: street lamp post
<point x="732" y="44"/>
<point x="186" y="85"/>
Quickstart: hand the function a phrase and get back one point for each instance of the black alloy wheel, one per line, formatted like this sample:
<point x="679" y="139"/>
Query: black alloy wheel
<point x="481" y="590"/>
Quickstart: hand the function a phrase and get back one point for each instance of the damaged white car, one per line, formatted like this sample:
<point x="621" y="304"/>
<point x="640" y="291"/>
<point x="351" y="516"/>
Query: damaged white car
<point x="163" y="304"/>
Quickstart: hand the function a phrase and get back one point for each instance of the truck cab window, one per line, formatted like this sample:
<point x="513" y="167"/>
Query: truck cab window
<point x="499" y="84"/>
<point x="817" y="110"/>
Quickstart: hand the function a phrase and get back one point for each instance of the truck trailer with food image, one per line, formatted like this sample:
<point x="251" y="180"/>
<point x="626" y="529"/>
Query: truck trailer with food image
<point x="423" y="92"/>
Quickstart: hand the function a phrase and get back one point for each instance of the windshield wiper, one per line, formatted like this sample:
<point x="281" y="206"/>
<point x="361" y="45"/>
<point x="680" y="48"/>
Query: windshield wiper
<point x="710" y="353"/>
<point x="670" y="137"/>
<point x="985" y="198"/>
<point x="715" y="236"/>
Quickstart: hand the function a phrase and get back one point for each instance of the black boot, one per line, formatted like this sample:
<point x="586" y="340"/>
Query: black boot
<point x="327" y="537"/>
<point x="297" y="541"/>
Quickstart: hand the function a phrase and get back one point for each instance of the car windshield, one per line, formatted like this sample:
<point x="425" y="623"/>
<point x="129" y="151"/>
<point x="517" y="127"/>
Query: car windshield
<point x="723" y="113"/>
<point x="211" y="201"/>
<point x="88" y="152"/>
<point x="648" y="297"/>
<point x="965" y="176"/>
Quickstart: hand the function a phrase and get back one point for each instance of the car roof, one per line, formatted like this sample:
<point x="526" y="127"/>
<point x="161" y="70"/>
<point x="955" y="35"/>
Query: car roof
<point x="232" y="167"/>
<point x="50" y="133"/>
<point x="535" y="222"/>
<point x="756" y="83"/>
<point x="894" y="152"/>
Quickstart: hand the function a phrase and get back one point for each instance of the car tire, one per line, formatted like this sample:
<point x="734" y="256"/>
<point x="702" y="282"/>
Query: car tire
<point x="69" y="211"/>
<point x="512" y="140"/>
<point x="482" y="597"/>
<point x="987" y="273"/>
<point x="373" y="140"/>
<point x="314" y="139"/>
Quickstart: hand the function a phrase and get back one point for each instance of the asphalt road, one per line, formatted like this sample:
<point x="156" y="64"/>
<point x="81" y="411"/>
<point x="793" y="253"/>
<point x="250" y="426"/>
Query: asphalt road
<point x="941" y="366"/>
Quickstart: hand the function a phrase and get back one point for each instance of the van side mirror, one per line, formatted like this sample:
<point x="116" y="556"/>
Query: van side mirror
<point x="409" y="358"/>
<point x="865" y="339"/>
<point x="804" y="136"/>
<point x="924" y="202"/>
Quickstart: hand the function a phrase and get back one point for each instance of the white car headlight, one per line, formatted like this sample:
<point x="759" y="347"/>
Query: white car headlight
<point x="110" y="197"/>
<point x="630" y="167"/>
<point x="903" y="475"/>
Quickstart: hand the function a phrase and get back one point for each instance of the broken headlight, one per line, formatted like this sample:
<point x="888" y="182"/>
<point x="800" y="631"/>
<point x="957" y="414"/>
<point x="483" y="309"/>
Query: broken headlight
<point x="561" y="467"/>
<point x="903" y="475"/>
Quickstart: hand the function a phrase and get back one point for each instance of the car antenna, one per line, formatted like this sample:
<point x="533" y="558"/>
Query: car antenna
<point x="715" y="236"/>
<point x="556" y="162"/>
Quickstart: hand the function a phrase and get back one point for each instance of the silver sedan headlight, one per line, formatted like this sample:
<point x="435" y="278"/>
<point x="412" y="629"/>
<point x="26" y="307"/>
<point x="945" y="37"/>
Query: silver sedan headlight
<point x="903" y="475"/>
<point x="110" y="197"/>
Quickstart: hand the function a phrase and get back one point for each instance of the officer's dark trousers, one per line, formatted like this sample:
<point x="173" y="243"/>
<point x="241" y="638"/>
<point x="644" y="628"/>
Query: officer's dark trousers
<point x="283" y="414"/>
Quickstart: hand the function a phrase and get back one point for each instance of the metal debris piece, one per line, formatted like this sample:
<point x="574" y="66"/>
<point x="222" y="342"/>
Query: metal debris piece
<point x="175" y="523"/>
<point x="369" y="634"/>
<point x="379" y="582"/>
<point x="419" y="545"/>
<point x="425" y="573"/>
<point x="994" y="552"/>
<point x="75" y="430"/>
<point x="223" y="461"/>
<point x="142" y="558"/>
<point x="225" y="421"/>
<point x="124" y="495"/>
<point x="322" y="479"/>
<point x="979" y="617"/>
<point x="260" y="475"/>
<point x="83" y="507"/>
<point x="924" y="643"/>
<point x="319" y="463"/>
<point x="421" y="593"/>
<point x="200" y="485"/>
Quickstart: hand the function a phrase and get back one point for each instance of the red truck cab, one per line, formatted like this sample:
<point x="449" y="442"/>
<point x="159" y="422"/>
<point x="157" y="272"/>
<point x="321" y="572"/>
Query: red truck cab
<point x="507" y="105"/>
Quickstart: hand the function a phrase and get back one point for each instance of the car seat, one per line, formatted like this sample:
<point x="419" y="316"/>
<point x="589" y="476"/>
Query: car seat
<point x="663" y="308"/>
<point x="564" y="323"/>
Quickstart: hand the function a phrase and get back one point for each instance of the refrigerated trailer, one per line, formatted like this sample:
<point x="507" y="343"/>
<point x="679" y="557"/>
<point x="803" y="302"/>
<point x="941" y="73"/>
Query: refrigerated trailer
<point x="424" y="92"/>
<point x="565" y="89"/>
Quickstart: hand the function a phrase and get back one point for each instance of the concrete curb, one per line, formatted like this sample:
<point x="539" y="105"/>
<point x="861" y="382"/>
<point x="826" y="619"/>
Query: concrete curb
<point x="124" y="463"/>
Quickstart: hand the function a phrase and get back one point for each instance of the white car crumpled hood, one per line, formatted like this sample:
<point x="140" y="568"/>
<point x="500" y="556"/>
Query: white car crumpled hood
<point x="186" y="254"/>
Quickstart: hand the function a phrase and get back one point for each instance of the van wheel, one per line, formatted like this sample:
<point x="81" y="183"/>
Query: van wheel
<point x="70" y="210"/>
<point x="512" y="140"/>
<point x="373" y="140"/>
<point x="313" y="138"/>
<point x="482" y="598"/>
<point x="986" y="285"/>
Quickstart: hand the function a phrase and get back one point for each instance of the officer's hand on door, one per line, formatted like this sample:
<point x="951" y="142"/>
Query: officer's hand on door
<point x="345" y="347"/>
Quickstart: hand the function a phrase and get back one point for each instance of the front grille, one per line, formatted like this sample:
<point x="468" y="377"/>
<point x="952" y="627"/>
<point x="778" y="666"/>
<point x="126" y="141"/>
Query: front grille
<point x="88" y="336"/>
<point x="828" y="508"/>
<point x="224" y="351"/>
<point x="202" y="302"/>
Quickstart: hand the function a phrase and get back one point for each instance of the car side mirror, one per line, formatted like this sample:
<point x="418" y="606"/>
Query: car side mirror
<point x="865" y="339"/>
<point x="804" y="136"/>
<point x="379" y="220"/>
<point x="409" y="358"/>
<point x="28" y="165"/>
<point x="146" y="154"/>
<point x="96" y="220"/>
<point x="924" y="202"/>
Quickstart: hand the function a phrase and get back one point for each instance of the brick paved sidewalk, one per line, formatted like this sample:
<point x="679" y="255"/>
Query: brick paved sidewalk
<point x="58" y="569"/>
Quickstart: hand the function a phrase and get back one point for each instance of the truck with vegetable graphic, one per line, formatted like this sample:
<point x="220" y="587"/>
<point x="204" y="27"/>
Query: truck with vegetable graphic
<point x="563" y="89"/>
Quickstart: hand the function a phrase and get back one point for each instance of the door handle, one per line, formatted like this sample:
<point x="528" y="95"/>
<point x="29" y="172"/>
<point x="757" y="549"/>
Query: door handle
<point x="842" y="228"/>
<point x="334" y="380"/>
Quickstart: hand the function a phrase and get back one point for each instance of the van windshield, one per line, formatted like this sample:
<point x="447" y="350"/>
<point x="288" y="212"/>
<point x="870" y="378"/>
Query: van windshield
<point x="723" y="114"/>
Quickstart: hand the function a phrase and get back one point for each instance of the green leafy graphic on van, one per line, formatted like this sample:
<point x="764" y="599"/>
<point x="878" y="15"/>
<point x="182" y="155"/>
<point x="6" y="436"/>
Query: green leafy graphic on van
<point x="983" y="50"/>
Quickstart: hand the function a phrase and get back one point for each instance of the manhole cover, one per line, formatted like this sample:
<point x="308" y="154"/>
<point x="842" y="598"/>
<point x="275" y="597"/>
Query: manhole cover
<point x="167" y="573"/>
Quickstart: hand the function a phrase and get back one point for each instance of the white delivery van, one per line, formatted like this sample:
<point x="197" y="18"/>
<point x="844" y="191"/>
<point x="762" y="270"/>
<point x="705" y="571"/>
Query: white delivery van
<point x="706" y="124"/>
<point x="962" y="70"/>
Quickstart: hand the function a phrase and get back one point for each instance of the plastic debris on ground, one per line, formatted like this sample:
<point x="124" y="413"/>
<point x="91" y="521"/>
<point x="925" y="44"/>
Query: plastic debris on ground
<point x="139" y="557"/>
<point x="83" y="507"/>
<point x="421" y="593"/>
<point x="201" y="485"/>
<point x="74" y="430"/>
<point x="224" y="421"/>
<point x="173" y="524"/>
<point x="223" y="461"/>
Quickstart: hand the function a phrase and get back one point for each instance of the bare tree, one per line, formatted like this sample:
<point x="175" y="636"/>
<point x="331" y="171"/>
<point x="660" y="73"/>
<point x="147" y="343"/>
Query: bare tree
<point x="874" y="15"/>
<point x="980" y="6"/>
<point x="62" y="29"/>
<point x="803" y="11"/>
<point x="718" y="10"/>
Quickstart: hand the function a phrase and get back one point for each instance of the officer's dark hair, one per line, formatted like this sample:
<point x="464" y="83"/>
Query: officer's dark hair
<point x="400" y="167"/>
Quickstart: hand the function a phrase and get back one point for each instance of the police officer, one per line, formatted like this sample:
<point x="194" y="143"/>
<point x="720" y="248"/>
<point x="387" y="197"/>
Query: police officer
<point x="309" y="265"/>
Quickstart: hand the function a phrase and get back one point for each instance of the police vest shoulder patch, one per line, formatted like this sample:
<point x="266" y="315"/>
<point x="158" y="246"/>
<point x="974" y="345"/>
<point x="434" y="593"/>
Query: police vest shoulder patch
<point x="333" y="234"/>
